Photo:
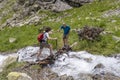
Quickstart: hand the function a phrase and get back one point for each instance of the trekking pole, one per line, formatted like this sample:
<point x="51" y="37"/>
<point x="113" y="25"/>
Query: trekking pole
<point x="56" y="45"/>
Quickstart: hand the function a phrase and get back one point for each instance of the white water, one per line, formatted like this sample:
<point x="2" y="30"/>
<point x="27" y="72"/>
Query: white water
<point x="2" y="58"/>
<point x="84" y="62"/>
<point x="74" y="64"/>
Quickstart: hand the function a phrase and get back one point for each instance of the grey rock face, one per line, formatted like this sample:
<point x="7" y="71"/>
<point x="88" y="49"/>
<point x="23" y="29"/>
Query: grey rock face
<point x="1" y="0"/>
<point x="112" y="13"/>
<point x="27" y="8"/>
<point x="61" y="6"/>
<point x="77" y="3"/>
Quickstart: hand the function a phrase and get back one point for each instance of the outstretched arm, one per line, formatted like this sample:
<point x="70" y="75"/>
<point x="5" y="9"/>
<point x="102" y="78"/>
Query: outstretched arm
<point x="59" y="29"/>
<point x="51" y="37"/>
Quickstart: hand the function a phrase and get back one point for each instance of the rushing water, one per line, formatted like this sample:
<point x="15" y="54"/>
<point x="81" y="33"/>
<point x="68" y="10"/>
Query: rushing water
<point x="84" y="62"/>
<point x="74" y="63"/>
<point x="2" y="58"/>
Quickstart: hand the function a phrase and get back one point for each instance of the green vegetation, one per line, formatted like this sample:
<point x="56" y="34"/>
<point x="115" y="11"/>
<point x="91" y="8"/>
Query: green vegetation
<point x="89" y="14"/>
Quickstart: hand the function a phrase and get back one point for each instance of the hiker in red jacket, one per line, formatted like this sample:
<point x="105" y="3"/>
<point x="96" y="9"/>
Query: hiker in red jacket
<point x="44" y="41"/>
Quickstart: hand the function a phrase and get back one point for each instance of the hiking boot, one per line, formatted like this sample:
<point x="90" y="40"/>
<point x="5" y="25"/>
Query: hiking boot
<point x="51" y="54"/>
<point x="37" y="60"/>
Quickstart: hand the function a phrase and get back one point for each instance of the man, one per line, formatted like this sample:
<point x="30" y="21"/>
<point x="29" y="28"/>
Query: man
<point x="44" y="42"/>
<point x="66" y="30"/>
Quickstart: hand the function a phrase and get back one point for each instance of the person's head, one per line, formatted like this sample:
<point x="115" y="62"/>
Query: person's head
<point x="64" y="25"/>
<point x="47" y="29"/>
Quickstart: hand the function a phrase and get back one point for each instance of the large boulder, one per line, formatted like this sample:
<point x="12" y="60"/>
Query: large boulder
<point x="61" y="6"/>
<point x="18" y="76"/>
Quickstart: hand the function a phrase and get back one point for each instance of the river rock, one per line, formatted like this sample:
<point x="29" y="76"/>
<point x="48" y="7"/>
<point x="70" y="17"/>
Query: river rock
<point x="88" y="59"/>
<point x="18" y="76"/>
<point x="117" y="56"/>
<point x="65" y="77"/>
<point x="100" y="65"/>
<point x="106" y="76"/>
<point x="85" y="77"/>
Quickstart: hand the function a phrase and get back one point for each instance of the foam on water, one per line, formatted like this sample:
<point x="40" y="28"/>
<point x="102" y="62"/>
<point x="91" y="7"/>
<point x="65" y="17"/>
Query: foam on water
<point x="84" y="62"/>
<point x="2" y="58"/>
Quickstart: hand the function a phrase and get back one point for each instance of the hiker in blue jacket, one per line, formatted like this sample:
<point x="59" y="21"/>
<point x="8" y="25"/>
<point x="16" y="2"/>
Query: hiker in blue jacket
<point x="66" y="30"/>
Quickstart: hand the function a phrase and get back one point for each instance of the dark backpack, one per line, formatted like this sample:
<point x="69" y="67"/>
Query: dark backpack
<point x="40" y="37"/>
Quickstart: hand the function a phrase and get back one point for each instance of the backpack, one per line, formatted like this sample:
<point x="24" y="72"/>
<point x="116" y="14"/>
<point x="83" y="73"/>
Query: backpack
<point x="40" y="37"/>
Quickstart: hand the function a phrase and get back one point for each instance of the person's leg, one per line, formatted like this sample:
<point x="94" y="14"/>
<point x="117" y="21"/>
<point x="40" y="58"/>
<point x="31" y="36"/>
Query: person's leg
<point x="40" y="50"/>
<point x="39" y="53"/>
<point x="64" y="39"/>
<point x="50" y="47"/>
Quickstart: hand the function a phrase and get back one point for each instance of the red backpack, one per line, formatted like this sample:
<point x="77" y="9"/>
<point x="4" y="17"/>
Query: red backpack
<point x="40" y="37"/>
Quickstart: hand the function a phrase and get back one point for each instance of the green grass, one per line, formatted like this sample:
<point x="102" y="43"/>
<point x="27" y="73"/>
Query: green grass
<point x="20" y="35"/>
<point x="89" y="14"/>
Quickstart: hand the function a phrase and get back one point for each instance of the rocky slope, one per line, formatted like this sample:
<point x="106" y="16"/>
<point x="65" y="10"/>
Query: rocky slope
<point x="23" y="12"/>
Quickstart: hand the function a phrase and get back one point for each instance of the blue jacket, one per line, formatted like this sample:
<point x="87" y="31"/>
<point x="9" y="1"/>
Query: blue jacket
<point x="65" y="29"/>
